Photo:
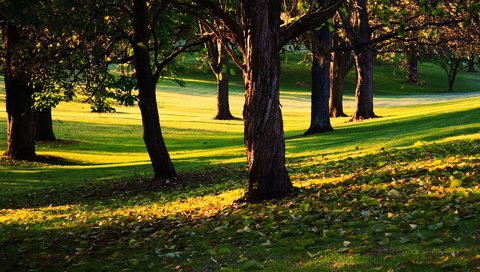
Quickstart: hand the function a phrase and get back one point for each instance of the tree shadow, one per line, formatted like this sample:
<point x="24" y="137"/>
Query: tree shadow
<point x="200" y="183"/>
<point x="405" y="132"/>
<point x="41" y="159"/>
<point x="267" y="235"/>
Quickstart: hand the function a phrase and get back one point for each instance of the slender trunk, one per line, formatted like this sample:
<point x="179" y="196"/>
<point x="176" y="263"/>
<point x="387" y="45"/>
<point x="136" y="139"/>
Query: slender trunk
<point x="471" y="63"/>
<point x="412" y="64"/>
<point x="320" y="116"/>
<point x="452" y="76"/>
<point x="341" y="64"/>
<point x="223" y="78"/>
<point x="364" y="62"/>
<point x="450" y="83"/>
<point x="44" y="125"/>
<point x="152" y="133"/>
<point x="264" y="136"/>
<point x="455" y="67"/>
<point x="19" y="102"/>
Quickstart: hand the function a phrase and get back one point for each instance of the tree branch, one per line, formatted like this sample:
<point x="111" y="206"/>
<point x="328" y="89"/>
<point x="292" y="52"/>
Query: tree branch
<point x="308" y="21"/>
<point x="160" y="66"/>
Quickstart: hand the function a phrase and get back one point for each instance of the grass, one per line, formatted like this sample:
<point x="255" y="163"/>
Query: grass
<point x="398" y="193"/>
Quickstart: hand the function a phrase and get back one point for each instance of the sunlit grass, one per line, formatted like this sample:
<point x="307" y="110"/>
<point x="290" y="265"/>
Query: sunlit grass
<point x="397" y="192"/>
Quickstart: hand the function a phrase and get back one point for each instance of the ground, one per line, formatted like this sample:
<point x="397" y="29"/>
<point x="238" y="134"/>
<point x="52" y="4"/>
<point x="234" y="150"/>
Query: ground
<point x="398" y="193"/>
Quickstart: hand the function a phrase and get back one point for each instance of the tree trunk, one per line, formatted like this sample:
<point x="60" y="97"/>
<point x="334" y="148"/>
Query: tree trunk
<point x="44" y="125"/>
<point x="223" y="77"/>
<point x="453" y="74"/>
<point x="412" y="64"/>
<point x="320" y="116"/>
<point x="471" y="63"/>
<point x="19" y="102"/>
<point x="450" y="84"/>
<point x="364" y="62"/>
<point x="341" y="64"/>
<point x="364" y="90"/>
<point x="264" y="136"/>
<point x="152" y="133"/>
<point x="20" y="122"/>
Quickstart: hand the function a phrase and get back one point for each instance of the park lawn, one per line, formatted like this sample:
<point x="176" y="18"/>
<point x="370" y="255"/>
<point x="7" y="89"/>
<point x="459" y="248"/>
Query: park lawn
<point x="397" y="193"/>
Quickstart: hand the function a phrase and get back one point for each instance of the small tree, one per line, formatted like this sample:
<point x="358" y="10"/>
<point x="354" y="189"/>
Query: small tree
<point x="218" y="61"/>
<point x="450" y="60"/>
<point x="454" y="45"/>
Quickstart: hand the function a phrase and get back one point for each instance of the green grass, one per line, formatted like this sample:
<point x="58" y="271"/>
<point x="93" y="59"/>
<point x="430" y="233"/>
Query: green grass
<point x="388" y="81"/>
<point x="396" y="193"/>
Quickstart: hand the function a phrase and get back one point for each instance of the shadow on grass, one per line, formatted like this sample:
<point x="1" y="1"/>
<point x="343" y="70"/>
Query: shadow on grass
<point x="308" y="231"/>
<point x="108" y="187"/>
<point x="402" y="132"/>
<point x="40" y="160"/>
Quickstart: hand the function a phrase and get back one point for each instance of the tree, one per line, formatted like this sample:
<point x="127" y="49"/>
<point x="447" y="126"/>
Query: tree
<point x="471" y="63"/>
<point x="148" y="36"/>
<point x="360" y="33"/>
<point x="19" y="102"/>
<point x="454" y="44"/>
<point x="218" y="61"/>
<point x="152" y="133"/>
<point x="259" y="33"/>
<point x="320" y="116"/>
<point x="371" y="25"/>
<point x="44" y="125"/>
<point x="411" y="63"/>
<point x="450" y="61"/>
<point x="341" y="64"/>
<point x="36" y="56"/>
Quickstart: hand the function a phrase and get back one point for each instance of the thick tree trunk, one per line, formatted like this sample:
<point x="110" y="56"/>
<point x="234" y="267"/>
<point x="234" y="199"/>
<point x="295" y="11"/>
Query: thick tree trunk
<point x="223" y="78"/>
<point x="19" y="102"/>
<point x="320" y="116"/>
<point x="20" y="122"/>
<point x="152" y="133"/>
<point x="364" y="90"/>
<point x="412" y="64"/>
<point x="471" y="63"/>
<point x="264" y="136"/>
<point x="341" y="64"/>
<point x="44" y="125"/>
<point x="364" y="63"/>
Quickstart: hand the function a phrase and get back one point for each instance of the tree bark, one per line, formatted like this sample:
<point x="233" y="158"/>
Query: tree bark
<point x="364" y="90"/>
<point x="453" y="73"/>
<point x="44" y="125"/>
<point x="219" y="65"/>
<point x="450" y="84"/>
<point x="320" y="116"/>
<point x="152" y="133"/>
<point x="412" y="64"/>
<point x="264" y="136"/>
<point x="471" y="63"/>
<point x="20" y="121"/>
<point x="19" y="102"/>
<point x="364" y="62"/>
<point x="341" y="64"/>
<point x="223" y="105"/>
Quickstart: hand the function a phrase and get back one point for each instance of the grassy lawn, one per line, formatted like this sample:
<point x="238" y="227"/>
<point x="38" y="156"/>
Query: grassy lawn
<point x="398" y="193"/>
